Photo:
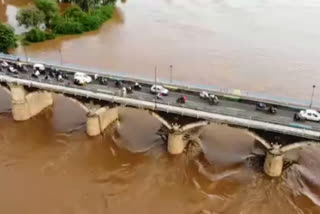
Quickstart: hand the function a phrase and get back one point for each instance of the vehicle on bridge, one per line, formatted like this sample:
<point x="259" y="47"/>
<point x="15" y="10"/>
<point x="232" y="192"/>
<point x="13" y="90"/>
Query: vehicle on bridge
<point x="82" y="78"/>
<point x="137" y="86"/>
<point x="264" y="107"/>
<point x="213" y="99"/>
<point x="4" y="64"/>
<point x="103" y="80"/>
<point x="35" y="74"/>
<point x="182" y="99"/>
<point x="155" y="89"/>
<point x="308" y="114"/>
<point x="13" y="70"/>
<point x="39" y="67"/>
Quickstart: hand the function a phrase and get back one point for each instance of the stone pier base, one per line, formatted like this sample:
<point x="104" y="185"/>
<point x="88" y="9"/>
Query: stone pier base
<point x="176" y="143"/>
<point x="273" y="164"/>
<point x="25" y="106"/>
<point x="99" y="120"/>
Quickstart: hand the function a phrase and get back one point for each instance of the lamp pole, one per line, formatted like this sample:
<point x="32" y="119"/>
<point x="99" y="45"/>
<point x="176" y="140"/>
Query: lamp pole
<point x="61" y="60"/>
<point x="155" y="83"/>
<point x="313" y="87"/>
<point x="170" y="74"/>
<point x="25" y="52"/>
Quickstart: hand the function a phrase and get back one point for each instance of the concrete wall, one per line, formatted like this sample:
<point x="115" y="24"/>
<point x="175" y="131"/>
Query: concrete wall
<point x="25" y="106"/>
<point x="100" y="119"/>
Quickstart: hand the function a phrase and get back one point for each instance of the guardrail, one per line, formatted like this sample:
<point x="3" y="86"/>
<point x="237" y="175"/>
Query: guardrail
<point x="228" y="117"/>
<point x="245" y="95"/>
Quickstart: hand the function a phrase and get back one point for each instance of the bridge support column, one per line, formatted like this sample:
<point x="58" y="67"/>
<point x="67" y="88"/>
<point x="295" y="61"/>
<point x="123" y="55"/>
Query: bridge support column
<point x="25" y="106"/>
<point x="273" y="164"/>
<point x="20" y="110"/>
<point x="176" y="143"/>
<point x="99" y="120"/>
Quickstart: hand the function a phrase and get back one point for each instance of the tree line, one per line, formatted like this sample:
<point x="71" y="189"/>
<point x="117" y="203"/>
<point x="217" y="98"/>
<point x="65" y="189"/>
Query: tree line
<point x="45" y="21"/>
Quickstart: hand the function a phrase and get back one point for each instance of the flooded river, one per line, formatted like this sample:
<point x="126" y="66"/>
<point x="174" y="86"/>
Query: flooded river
<point x="49" y="165"/>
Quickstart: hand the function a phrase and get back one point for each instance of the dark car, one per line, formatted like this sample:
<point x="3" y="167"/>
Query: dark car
<point x="264" y="107"/>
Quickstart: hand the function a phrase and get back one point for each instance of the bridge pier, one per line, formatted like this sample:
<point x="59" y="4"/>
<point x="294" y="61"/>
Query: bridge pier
<point x="99" y="120"/>
<point x="176" y="143"/>
<point x="25" y="106"/>
<point x="273" y="164"/>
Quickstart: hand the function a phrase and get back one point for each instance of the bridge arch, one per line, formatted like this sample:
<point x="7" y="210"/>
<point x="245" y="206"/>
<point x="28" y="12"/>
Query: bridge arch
<point x="76" y="101"/>
<point x="6" y="89"/>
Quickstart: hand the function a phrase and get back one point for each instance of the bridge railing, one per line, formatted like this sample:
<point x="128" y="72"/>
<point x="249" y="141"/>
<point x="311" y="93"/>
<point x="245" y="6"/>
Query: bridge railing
<point x="187" y="86"/>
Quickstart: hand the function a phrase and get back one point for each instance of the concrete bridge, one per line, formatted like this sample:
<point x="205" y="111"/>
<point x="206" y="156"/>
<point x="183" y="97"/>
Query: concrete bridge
<point x="32" y="95"/>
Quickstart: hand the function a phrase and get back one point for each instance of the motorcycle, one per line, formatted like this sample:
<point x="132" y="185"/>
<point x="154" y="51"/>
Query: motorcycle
<point x="103" y="81"/>
<point x="264" y="107"/>
<point x="182" y="99"/>
<point x="129" y="90"/>
<point x="159" y="96"/>
<point x="137" y="86"/>
<point x="119" y="83"/>
<point x="213" y="100"/>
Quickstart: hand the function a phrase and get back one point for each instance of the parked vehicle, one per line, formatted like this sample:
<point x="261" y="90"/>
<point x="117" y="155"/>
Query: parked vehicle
<point x="82" y="78"/>
<point x="159" y="89"/>
<point x="137" y="86"/>
<point x="182" y="99"/>
<point x="39" y="67"/>
<point x="265" y="107"/>
<point x="308" y="114"/>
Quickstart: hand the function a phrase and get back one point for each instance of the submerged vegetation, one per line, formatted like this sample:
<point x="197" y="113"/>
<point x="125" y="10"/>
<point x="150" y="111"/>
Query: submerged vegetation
<point x="45" y="20"/>
<point x="7" y="38"/>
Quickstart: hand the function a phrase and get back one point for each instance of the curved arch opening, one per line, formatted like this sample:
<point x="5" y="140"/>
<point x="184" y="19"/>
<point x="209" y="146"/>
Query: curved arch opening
<point x="5" y="100"/>
<point x="137" y="130"/>
<point x="68" y="114"/>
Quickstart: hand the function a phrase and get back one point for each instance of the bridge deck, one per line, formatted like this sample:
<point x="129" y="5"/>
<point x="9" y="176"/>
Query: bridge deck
<point x="228" y="111"/>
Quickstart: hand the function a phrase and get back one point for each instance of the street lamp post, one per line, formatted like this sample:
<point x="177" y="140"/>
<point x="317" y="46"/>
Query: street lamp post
<point x="170" y="74"/>
<point x="313" y="87"/>
<point x="155" y="83"/>
<point x="61" y="59"/>
<point x="25" y="53"/>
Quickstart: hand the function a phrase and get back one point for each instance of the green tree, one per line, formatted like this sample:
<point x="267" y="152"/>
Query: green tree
<point x="86" y="5"/>
<point x="30" y="17"/>
<point x="49" y="8"/>
<point x="7" y="38"/>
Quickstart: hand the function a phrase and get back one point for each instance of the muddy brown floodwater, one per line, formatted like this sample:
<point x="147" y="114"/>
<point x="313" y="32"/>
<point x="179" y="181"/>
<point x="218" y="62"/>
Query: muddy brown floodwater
<point x="49" y="165"/>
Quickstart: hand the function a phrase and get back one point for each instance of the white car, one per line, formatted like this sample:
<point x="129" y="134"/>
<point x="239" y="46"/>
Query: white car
<point x="156" y="89"/>
<point x="39" y="67"/>
<point x="308" y="114"/>
<point x="13" y="70"/>
<point x="82" y="78"/>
